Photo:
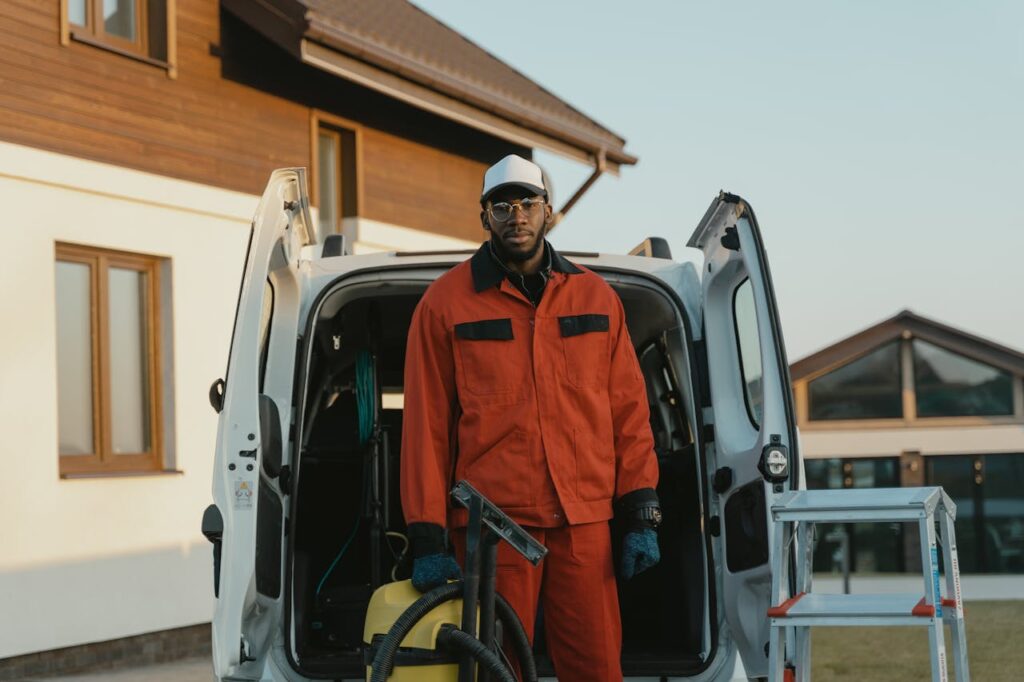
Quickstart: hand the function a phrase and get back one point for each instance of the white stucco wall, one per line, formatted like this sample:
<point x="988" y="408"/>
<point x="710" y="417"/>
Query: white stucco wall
<point x="936" y="440"/>
<point x="88" y="560"/>
<point x="93" y="559"/>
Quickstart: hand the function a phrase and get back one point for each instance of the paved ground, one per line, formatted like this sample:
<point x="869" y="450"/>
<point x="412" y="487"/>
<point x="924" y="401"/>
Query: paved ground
<point x="192" y="670"/>
<point x="973" y="586"/>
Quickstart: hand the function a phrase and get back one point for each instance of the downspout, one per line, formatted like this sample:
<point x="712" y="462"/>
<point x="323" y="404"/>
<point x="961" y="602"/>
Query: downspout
<point x="600" y="165"/>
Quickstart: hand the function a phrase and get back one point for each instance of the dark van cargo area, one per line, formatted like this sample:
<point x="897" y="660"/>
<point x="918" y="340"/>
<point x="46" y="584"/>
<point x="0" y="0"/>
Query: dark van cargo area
<point x="345" y="529"/>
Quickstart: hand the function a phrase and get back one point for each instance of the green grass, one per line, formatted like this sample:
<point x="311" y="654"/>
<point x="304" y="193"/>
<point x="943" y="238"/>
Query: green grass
<point x="995" y="648"/>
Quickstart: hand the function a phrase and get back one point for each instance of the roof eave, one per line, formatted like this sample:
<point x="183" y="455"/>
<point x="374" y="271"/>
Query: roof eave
<point x="348" y="44"/>
<point x="856" y="344"/>
<point x="303" y="33"/>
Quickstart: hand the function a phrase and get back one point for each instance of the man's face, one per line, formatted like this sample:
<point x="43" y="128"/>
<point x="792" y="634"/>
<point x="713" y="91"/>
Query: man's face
<point x="520" y="235"/>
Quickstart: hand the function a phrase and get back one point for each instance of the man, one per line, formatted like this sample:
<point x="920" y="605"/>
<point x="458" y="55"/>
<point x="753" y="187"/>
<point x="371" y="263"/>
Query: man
<point x="520" y="377"/>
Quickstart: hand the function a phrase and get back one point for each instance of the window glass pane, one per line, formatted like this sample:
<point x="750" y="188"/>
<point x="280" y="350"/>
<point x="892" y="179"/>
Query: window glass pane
<point x="951" y="385"/>
<point x="76" y="12"/>
<point x="327" y="183"/>
<point x="876" y="547"/>
<point x="955" y="473"/>
<point x="823" y="474"/>
<point x="873" y="547"/>
<point x="750" y="350"/>
<point x="129" y="361"/>
<point x="1002" y="492"/>
<point x="867" y="388"/>
<point x="119" y="18"/>
<point x="74" y="359"/>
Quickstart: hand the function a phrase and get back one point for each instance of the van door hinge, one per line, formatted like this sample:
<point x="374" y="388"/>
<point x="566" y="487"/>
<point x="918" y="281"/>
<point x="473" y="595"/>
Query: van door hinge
<point x="715" y="526"/>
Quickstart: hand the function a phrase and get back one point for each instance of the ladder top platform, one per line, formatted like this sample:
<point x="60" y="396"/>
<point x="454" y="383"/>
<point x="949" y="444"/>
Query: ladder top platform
<point x="845" y="609"/>
<point x="861" y="503"/>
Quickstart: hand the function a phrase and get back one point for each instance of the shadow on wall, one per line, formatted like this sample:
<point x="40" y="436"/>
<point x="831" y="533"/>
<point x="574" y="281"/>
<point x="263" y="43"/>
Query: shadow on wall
<point x="57" y="605"/>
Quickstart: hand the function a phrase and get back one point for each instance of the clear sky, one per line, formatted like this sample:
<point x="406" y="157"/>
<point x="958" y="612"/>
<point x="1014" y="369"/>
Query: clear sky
<point x="881" y="143"/>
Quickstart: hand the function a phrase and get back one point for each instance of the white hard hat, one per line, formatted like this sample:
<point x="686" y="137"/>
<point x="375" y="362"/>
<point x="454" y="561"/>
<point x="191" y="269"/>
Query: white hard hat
<point x="514" y="170"/>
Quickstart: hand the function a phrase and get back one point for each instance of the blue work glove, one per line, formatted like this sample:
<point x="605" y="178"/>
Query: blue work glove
<point x="433" y="571"/>
<point x="639" y="552"/>
<point x="432" y="566"/>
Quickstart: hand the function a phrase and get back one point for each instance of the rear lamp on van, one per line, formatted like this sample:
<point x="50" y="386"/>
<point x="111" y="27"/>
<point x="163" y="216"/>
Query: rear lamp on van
<point x="774" y="463"/>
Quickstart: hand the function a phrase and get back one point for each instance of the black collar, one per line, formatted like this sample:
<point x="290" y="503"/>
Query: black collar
<point x="488" y="272"/>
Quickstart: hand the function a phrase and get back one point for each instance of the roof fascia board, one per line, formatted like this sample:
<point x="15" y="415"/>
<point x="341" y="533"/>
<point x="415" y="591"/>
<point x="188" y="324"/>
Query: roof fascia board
<point x="845" y="350"/>
<point x="967" y="345"/>
<point x="939" y="334"/>
<point x="330" y="60"/>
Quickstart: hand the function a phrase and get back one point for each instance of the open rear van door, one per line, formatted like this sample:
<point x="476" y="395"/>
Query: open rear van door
<point x="245" y="523"/>
<point x="755" y="440"/>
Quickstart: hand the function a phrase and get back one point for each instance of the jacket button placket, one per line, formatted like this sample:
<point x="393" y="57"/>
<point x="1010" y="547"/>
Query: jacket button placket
<point x="540" y="357"/>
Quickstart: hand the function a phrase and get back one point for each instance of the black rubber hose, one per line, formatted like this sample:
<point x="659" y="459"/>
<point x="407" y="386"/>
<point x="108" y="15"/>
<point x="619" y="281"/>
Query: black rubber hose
<point x="384" y="661"/>
<point x="517" y="633"/>
<point x="453" y="638"/>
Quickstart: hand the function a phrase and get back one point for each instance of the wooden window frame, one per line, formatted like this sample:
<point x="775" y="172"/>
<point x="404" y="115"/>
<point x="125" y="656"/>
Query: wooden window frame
<point x="93" y="34"/>
<point x="103" y="460"/>
<point x="321" y="120"/>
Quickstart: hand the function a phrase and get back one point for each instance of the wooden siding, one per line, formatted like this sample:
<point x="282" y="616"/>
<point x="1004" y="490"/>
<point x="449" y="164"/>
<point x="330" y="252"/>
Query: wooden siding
<point x="89" y="102"/>
<point x="411" y="184"/>
<point x="238" y="108"/>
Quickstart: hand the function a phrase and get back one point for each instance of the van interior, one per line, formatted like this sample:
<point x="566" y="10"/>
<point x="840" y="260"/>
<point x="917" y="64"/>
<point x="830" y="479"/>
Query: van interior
<point x="345" y="527"/>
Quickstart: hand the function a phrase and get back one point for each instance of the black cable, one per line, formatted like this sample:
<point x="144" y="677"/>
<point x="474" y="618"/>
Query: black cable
<point x="452" y="637"/>
<point x="517" y="633"/>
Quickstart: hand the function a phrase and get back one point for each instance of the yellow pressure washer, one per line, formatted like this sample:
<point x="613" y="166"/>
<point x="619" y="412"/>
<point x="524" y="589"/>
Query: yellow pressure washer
<point x="413" y="637"/>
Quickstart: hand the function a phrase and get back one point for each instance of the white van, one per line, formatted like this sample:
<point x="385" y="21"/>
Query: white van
<point x="306" y="519"/>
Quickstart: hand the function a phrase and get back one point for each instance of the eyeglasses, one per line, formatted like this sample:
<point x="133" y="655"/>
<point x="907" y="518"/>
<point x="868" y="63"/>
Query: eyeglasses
<point x="503" y="210"/>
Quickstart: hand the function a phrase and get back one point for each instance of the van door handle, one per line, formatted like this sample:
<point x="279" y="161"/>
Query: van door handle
<point x="217" y="395"/>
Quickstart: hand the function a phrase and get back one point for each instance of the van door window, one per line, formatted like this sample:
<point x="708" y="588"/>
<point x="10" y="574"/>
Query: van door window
<point x="749" y="349"/>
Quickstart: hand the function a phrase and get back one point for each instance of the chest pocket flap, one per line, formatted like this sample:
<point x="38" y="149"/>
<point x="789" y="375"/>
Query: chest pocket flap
<point x="488" y="360"/>
<point x="574" y="325"/>
<point x="586" y="352"/>
<point x="488" y="330"/>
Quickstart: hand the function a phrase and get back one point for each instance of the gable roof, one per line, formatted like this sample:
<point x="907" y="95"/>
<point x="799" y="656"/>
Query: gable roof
<point x="395" y="47"/>
<point x="908" y="323"/>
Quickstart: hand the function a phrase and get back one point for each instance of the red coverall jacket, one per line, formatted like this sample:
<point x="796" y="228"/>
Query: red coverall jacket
<point x="543" y="410"/>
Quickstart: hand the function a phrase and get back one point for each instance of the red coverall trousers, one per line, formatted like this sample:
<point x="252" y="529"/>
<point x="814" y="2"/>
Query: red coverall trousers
<point x="578" y="573"/>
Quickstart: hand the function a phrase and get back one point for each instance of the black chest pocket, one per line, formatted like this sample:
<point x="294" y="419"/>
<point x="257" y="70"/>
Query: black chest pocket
<point x="486" y="356"/>
<point x="585" y="345"/>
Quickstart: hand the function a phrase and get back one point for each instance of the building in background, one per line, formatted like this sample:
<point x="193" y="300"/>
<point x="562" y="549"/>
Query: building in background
<point x="135" y="139"/>
<point x="911" y="402"/>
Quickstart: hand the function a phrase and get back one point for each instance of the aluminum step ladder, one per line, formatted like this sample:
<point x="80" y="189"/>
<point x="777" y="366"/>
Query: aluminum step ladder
<point x="794" y="514"/>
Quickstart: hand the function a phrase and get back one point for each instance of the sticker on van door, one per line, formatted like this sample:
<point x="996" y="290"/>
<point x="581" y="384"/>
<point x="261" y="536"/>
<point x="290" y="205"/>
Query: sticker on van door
<point x="243" y="494"/>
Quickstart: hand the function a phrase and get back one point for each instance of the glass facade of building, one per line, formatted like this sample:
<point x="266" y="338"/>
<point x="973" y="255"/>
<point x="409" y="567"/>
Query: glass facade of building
<point x="989" y="494"/>
<point x="988" y="491"/>
<point x="874" y="547"/>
